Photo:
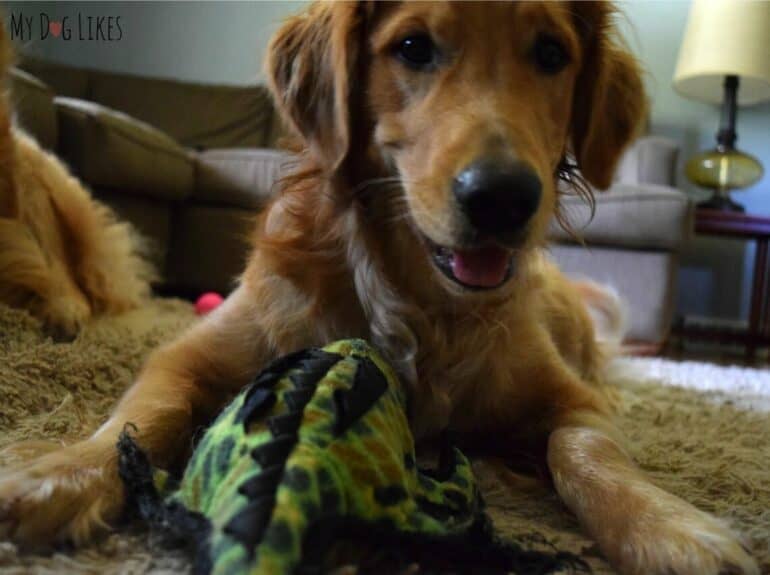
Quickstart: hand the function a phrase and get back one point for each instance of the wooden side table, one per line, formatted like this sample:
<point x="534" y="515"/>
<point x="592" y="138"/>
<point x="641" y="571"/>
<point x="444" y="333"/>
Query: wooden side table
<point x="749" y="227"/>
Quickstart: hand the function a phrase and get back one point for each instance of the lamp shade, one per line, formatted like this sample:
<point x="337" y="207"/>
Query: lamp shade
<point x="725" y="37"/>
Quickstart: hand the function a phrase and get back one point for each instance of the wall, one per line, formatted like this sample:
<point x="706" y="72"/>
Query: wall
<point x="225" y="42"/>
<point x="201" y="41"/>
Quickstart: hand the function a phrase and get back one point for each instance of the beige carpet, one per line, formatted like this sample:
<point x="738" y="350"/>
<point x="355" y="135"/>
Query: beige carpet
<point x="702" y="432"/>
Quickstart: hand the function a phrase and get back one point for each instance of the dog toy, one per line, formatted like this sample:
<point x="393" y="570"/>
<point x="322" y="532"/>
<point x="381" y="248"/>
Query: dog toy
<point x="313" y="465"/>
<point x="208" y="302"/>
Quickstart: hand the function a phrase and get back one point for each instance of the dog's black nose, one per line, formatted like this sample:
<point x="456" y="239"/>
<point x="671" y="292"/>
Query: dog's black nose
<point x="498" y="197"/>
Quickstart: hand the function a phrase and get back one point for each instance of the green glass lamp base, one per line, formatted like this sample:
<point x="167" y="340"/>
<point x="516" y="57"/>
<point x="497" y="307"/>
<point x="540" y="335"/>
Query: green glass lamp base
<point x="722" y="170"/>
<point x="725" y="169"/>
<point x="721" y="201"/>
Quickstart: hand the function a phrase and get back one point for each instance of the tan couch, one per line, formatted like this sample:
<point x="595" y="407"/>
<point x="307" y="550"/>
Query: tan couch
<point x="635" y="237"/>
<point x="188" y="164"/>
<point x="191" y="164"/>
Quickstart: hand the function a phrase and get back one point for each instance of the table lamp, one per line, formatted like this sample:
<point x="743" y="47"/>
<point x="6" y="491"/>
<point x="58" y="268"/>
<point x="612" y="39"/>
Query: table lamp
<point x="725" y="59"/>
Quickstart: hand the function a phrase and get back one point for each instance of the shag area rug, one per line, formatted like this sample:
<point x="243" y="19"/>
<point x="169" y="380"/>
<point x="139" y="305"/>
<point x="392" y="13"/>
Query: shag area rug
<point x="700" y="431"/>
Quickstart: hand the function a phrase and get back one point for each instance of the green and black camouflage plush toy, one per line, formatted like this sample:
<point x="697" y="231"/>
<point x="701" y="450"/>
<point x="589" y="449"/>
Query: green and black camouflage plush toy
<point x="313" y="465"/>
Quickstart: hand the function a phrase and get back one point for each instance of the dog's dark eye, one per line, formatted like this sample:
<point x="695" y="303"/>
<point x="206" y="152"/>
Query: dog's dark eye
<point x="417" y="51"/>
<point x="550" y="55"/>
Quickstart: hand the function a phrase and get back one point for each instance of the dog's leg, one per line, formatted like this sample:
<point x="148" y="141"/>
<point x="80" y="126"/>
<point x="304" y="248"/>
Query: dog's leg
<point x="106" y="254"/>
<point x="74" y="492"/>
<point x="24" y="270"/>
<point x="62" y="305"/>
<point x="640" y="528"/>
<point x="33" y="281"/>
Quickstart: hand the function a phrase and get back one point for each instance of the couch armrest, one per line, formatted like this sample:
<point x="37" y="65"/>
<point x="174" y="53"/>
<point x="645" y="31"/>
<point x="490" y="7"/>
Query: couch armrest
<point x="238" y="177"/>
<point x="34" y="107"/>
<point x="649" y="160"/>
<point x="629" y="216"/>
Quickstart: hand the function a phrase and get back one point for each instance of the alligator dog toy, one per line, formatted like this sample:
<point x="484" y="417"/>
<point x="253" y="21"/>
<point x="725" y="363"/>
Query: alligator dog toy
<point x="313" y="465"/>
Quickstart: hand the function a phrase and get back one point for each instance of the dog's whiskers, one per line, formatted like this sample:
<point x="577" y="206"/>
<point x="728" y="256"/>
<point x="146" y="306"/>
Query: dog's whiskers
<point x="376" y="184"/>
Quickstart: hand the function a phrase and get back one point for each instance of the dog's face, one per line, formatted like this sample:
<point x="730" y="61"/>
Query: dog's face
<point x="471" y="106"/>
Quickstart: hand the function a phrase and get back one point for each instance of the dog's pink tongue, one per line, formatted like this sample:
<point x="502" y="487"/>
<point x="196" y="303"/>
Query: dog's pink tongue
<point x="484" y="267"/>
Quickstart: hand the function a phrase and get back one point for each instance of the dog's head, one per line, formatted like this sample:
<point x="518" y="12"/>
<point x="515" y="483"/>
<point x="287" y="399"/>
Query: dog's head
<point x="471" y="107"/>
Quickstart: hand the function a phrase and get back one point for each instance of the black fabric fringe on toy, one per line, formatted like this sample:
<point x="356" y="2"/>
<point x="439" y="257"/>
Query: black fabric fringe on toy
<point x="178" y="527"/>
<point x="477" y="552"/>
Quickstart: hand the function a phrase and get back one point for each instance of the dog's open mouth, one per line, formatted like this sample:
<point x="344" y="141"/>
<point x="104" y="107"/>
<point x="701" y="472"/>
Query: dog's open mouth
<point x="482" y="268"/>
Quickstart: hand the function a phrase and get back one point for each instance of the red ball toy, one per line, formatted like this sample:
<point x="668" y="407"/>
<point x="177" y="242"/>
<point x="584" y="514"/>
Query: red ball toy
<point x="207" y="302"/>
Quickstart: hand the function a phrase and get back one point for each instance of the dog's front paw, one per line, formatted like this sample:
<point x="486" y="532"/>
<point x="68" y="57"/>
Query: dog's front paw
<point x="65" y="315"/>
<point x="668" y="536"/>
<point x="67" y="495"/>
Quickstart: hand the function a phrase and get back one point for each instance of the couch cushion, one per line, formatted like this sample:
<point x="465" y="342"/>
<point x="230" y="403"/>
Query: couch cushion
<point x="629" y="216"/>
<point x="649" y="160"/>
<point x="196" y="115"/>
<point x="64" y="80"/>
<point x="110" y="149"/>
<point x="241" y="178"/>
<point x="33" y="104"/>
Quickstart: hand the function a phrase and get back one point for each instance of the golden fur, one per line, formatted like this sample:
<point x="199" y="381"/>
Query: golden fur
<point x="63" y="255"/>
<point x="340" y="253"/>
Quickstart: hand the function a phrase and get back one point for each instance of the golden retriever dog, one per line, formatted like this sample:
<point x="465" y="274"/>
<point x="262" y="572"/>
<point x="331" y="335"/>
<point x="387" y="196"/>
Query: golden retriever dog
<point x="63" y="255"/>
<point x="433" y="135"/>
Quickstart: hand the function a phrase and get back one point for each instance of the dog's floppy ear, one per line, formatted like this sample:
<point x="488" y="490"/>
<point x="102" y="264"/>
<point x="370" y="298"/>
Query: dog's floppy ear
<point x="609" y="104"/>
<point x="311" y="64"/>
